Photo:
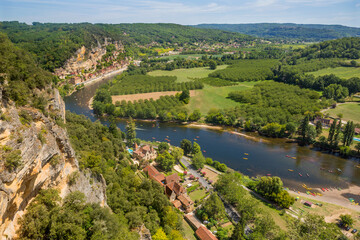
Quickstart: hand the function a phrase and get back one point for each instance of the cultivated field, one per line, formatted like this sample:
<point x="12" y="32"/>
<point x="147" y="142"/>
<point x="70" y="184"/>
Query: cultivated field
<point x="153" y="95"/>
<point x="185" y="75"/>
<point x="351" y="111"/>
<point x="342" y="72"/>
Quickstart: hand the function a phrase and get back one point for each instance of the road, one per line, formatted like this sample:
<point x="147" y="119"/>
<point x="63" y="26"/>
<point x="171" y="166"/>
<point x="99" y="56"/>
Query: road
<point x="192" y="170"/>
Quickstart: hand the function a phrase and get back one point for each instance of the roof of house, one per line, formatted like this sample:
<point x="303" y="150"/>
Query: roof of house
<point x="357" y="130"/>
<point x="143" y="150"/>
<point x="204" y="234"/>
<point x="185" y="200"/>
<point x="154" y="174"/>
<point x="176" y="187"/>
<point x="172" y="178"/>
<point x="176" y="203"/>
<point x="194" y="222"/>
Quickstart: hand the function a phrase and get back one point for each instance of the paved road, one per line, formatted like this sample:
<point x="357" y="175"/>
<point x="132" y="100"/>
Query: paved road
<point x="192" y="170"/>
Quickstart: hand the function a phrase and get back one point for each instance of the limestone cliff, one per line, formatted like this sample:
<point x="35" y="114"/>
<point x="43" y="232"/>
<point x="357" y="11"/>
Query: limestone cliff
<point x="35" y="153"/>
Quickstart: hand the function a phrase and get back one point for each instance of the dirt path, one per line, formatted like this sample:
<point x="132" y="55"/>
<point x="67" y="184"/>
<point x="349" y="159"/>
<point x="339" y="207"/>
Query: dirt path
<point x="153" y="95"/>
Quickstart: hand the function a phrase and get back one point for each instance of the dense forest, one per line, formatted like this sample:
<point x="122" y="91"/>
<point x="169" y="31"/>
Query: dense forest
<point x="54" y="43"/>
<point x="21" y="77"/>
<point x="290" y="31"/>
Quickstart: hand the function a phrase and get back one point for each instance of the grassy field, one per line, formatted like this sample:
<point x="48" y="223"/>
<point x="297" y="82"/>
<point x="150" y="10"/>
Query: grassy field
<point x="351" y="111"/>
<point x="183" y="75"/>
<point x="215" y="97"/>
<point x="342" y="72"/>
<point x="188" y="231"/>
<point x="330" y="212"/>
<point x="197" y="194"/>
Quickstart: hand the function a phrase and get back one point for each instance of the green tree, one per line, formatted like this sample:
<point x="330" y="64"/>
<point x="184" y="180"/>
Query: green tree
<point x="346" y="219"/>
<point x="332" y="132"/>
<point x="185" y="96"/>
<point x="212" y="64"/>
<point x="348" y="134"/>
<point x="159" y="235"/>
<point x="214" y="207"/>
<point x="357" y="146"/>
<point x="195" y="148"/>
<point x="163" y="146"/>
<point x="195" y="116"/>
<point x="165" y="160"/>
<point x="185" y="144"/>
<point x="177" y="153"/>
<point x="130" y="132"/>
<point x="318" y="128"/>
<point x="198" y="160"/>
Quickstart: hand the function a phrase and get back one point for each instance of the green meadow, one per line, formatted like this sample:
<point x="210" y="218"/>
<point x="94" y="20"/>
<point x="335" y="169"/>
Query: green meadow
<point x="216" y="97"/>
<point x="350" y="111"/>
<point x="341" y="72"/>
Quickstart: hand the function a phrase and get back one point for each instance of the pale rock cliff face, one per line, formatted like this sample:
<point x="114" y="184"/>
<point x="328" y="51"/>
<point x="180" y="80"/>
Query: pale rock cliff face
<point x="87" y="59"/>
<point x="44" y="164"/>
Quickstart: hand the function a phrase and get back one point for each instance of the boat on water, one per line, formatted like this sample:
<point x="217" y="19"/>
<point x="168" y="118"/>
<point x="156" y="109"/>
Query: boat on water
<point x="245" y="158"/>
<point x="204" y="151"/>
<point x="307" y="175"/>
<point x="290" y="170"/>
<point x="339" y="170"/>
<point x="293" y="157"/>
<point x="195" y="139"/>
<point x="246" y="153"/>
<point x="323" y="189"/>
<point x="268" y="174"/>
<point x="288" y="156"/>
<point x="300" y="174"/>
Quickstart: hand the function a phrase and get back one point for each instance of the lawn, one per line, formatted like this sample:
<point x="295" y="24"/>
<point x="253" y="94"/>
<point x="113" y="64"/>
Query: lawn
<point x="197" y="194"/>
<point x="184" y="74"/>
<point x="342" y="72"/>
<point x="188" y="231"/>
<point x="216" y="97"/>
<point x="350" y="111"/>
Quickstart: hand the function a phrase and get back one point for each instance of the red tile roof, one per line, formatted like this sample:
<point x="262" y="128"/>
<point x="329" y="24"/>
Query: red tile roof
<point x="172" y="178"/>
<point x="176" y="187"/>
<point x="177" y="203"/>
<point x="204" y="234"/>
<point x="185" y="200"/>
<point x="154" y="174"/>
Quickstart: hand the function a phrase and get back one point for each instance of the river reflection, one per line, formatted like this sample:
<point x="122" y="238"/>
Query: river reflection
<point x="265" y="157"/>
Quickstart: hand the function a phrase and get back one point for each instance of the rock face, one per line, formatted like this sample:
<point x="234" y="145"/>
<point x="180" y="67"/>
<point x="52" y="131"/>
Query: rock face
<point x="47" y="161"/>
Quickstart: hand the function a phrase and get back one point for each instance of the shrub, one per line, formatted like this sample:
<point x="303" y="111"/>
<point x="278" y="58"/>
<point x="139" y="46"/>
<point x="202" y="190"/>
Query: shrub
<point x="12" y="160"/>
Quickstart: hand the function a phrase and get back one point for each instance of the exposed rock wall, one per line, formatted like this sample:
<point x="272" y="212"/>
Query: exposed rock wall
<point x="47" y="161"/>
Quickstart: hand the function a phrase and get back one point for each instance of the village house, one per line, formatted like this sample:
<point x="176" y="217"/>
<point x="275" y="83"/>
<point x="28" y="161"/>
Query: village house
<point x="154" y="174"/>
<point x="144" y="153"/>
<point x="357" y="131"/>
<point x="324" y="121"/>
<point x="204" y="234"/>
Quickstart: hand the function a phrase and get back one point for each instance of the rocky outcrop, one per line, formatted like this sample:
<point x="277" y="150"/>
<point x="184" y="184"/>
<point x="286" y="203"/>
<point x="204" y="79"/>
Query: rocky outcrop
<point x="47" y="160"/>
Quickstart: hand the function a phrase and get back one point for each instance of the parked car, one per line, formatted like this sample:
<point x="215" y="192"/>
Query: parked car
<point x="347" y="228"/>
<point x="354" y="231"/>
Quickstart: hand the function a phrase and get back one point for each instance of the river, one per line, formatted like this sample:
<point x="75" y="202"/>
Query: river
<point x="265" y="156"/>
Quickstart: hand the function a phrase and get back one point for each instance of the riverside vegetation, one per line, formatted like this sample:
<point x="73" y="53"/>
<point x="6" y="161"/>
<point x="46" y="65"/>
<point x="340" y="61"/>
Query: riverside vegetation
<point x="135" y="200"/>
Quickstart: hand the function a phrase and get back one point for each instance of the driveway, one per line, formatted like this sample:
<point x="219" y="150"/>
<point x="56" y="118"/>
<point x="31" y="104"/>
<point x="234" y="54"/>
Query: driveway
<point x="192" y="170"/>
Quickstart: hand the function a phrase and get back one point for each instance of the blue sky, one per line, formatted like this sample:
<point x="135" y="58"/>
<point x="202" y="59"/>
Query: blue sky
<point x="344" y="12"/>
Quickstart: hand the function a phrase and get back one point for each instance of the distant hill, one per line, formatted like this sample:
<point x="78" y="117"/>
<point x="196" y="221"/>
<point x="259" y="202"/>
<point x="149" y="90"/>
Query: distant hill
<point x="54" y="43"/>
<point x="290" y="31"/>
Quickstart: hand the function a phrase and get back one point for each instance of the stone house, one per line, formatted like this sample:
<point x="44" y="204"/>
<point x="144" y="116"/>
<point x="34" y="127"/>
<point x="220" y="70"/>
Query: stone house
<point x="144" y="153"/>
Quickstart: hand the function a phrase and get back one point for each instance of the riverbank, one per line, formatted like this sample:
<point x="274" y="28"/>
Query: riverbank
<point x="97" y="79"/>
<point x="337" y="197"/>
